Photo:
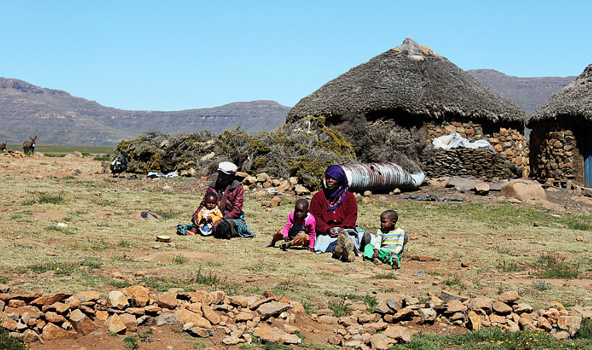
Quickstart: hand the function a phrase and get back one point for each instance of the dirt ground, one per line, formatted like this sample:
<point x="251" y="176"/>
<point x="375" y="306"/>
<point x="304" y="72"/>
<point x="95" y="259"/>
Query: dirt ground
<point x="455" y="246"/>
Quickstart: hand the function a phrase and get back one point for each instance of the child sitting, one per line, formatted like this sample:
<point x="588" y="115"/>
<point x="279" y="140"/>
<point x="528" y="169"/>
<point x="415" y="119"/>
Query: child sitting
<point x="389" y="242"/>
<point x="299" y="229"/>
<point x="209" y="214"/>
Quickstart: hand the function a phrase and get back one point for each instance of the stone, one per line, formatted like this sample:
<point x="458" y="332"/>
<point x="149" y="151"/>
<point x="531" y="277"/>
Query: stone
<point x="570" y="323"/>
<point x="210" y="314"/>
<point x="118" y="300"/>
<point x="427" y="315"/>
<point x="447" y="296"/>
<point x="380" y="341"/>
<point x="167" y="300"/>
<point x="244" y="316"/>
<point x="526" y="323"/>
<point x="585" y="312"/>
<point x="454" y="306"/>
<point x="275" y="336"/>
<point x="7" y="322"/>
<point x="167" y="319"/>
<point x="266" y="204"/>
<point x="262" y="177"/>
<point x="30" y="336"/>
<point x="405" y="314"/>
<point x="561" y="335"/>
<point x="276" y="201"/>
<point x="497" y="319"/>
<point x="115" y="324"/>
<point x="544" y="324"/>
<point x="328" y="319"/>
<point x="73" y="302"/>
<point x="272" y="309"/>
<point x="382" y="308"/>
<point x="53" y="332"/>
<point x="399" y="333"/>
<point x="102" y="315"/>
<point x="524" y="190"/>
<point x="90" y="295"/>
<point x="186" y="316"/>
<point x="129" y="321"/>
<point x="54" y="317"/>
<point x="50" y="300"/>
<point x="139" y="294"/>
<point x="483" y="304"/>
<point x="217" y="297"/>
<point x="290" y="329"/>
<point x="301" y="190"/>
<point x="482" y="189"/>
<point x="200" y="332"/>
<point x="238" y="300"/>
<point x="81" y="323"/>
<point x="501" y="308"/>
<point x="200" y="296"/>
<point x="509" y="297"/>
<point x="367" y="318"/>
<point x="395" y="303"/>
<point x="474" y="320"/>
<point x="27" y="297"/>
<point x="522" y="308"/>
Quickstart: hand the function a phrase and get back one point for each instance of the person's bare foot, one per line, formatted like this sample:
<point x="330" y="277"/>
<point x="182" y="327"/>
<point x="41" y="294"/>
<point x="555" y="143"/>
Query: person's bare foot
<point x="376" y="261"/>
<point x="191" y="232"/>
<point x="395" y="263"/>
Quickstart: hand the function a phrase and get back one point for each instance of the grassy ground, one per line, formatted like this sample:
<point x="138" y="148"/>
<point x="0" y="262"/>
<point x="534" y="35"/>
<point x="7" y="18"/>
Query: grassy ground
<point x="498" y="241"/>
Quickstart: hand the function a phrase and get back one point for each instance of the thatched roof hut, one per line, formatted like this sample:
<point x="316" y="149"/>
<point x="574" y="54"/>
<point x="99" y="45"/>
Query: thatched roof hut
<point x="405" y="82"/>
<point x="561" y="137"/>
<point x="574" y="100"/>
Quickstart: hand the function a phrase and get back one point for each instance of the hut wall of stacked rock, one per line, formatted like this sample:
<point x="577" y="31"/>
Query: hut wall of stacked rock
<point x="560" y="129"/>
<point x="419" y="89"/>
<point x="508" y="141"/>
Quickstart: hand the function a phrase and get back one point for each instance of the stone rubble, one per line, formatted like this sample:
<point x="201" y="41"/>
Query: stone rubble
<point x="35" y="318"/>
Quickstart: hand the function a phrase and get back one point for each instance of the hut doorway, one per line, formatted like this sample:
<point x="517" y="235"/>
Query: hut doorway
<point x="588" y="158"/>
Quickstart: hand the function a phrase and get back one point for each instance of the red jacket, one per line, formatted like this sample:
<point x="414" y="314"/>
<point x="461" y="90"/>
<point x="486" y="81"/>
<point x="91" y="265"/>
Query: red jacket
<point x="234" y="199"/>
<point x="345" y="216"/>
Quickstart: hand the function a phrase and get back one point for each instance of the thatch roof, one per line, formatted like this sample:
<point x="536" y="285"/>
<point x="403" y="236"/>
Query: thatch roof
<point x="411" y="79"/>
<point x="573" y="100"/>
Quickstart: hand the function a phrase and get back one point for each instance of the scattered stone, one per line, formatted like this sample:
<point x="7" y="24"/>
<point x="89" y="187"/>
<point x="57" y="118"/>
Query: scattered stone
<point x="509" y="297"/>
<point x="167" y="319"/>
<point x="276" y="336"/>
<point x="380" y="341"/>
<point x="447" y="296"/>
<point x="167" y="300"/>
<point x="570" y="323"/>
<point x="561" y="335"/>
<point x="53" y="332"/>
<point x="81" y="323"/>
<point x="272" y="309"/>
<point x="399" y="333"/>
<point x="524" y="190"/>
<point x="501" y="308"/>
<point x="474" y="320"/>
<point x="482" y="189"/>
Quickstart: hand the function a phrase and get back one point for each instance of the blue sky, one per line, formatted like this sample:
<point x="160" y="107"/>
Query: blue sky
<point x="174" y="55"/>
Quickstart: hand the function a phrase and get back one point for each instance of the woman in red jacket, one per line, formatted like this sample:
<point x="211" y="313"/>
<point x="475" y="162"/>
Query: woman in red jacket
<point x="336" y="211"/>
<point x="230" y="201"/>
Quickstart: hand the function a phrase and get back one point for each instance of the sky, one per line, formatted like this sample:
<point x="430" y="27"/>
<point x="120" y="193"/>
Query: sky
<point x="175" y="55"/>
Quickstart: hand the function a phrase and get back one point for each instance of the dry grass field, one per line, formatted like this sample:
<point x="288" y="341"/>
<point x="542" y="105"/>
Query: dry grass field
<point x="67" y="228"/>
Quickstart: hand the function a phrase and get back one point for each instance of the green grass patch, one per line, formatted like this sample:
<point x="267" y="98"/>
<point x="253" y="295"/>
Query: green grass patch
<point x="119" y="284"/>
<point x="131" y="342"/>
<point x="508" y="266"/>
<point x="46" y="199"/>
<point x="10" y="343"/>
<point x="60" y="268"/>
<point x="550" y="268"/>
<point x="162" y="284"/>
<point x="206" y="279"/>
<point x="59" y="229"/>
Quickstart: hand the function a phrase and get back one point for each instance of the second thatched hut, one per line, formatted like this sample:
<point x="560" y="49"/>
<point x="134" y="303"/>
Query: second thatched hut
<point x="417" y="88"/>
<point x="561" y="137"/>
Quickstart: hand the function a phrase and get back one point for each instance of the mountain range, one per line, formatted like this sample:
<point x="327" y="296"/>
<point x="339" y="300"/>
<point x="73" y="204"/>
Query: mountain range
<point x="59" y="118"/>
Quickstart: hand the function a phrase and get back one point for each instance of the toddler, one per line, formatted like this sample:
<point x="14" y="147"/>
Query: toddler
<point x="389" y="242"/>
<point x="209" y="214"/>
<point x="299" y="229"/>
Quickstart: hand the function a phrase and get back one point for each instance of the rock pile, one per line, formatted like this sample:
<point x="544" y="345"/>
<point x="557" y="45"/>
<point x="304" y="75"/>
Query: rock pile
<point x="263" y="182"/>
<point x="36" y="318"/>
<point x="507" y="141"/>
<point x="478" y="163"/>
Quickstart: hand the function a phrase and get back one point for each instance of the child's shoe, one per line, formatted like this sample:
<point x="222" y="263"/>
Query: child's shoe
<point x="338" y="251"/>
<point x="349" y="253"/>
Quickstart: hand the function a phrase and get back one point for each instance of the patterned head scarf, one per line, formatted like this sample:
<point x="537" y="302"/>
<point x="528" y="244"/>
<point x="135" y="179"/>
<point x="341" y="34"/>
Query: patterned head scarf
<point x="337" y="197"/>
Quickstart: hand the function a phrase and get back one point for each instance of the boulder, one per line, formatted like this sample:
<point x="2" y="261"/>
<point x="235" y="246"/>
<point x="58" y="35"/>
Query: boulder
<point x="524" y="190"/>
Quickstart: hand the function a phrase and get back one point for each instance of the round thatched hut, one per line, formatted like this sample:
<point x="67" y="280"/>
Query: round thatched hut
<point x="416" y="87"/>
<point x="561" y="137"/>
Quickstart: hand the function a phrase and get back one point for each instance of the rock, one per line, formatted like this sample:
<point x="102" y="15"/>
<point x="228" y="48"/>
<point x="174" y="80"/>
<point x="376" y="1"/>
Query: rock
<point x="380" y="341"/>
<point x="427" y="315"/>
<point x="454" y="306"/>
<point x="483" y="304"/>
<point x="509" y="297"/>
<point x="301" y="190"/>
<point x="201" y="296"/>
<point x="404" y="314"/>
<point x="522" y="308"/>
<point x="272" y="309"/>
<point x="81" y="323"/>
<point x="570" y="323"/>
<point x="4" y="288"/>
<point x="50" y="300"/>
<point x="474" y="320"/>
<point x="382" y="308"/>
<point x="399" y="333"/>
<point x="262" y="177"/>
<point x="526" y="323"/>
<point x="238" y="300"/>
<point x="167" y="300"/>
<point x="118" y="300"/>
<point x="501" y="308"/>
<point x="90" y="295"/>
<point x="524" y="190"/>
<point x="115" y="324"/>
<point x="210" y="314"/>
<point x="497" y="319"/>
<point x="139" y="294"/>
<point x="276" y="201"/>
<point x="30" y="336"/>
<point x="200" y="332"/>
<point x="446" y="296"/>
<point x="585" y="312"/>
<point x="544" y="324"/>
<point x="54" y="317"/>
<point x="7" y="322"/>
<point x="561" y="335"/>
<point x="186" y="316"/>
<point x="482" y="189"/>
<point x="266" y="204"/>
<point x="130" y="322"/>
<point x="167" y="319"/>
<point x="244" y="316"/>
<point x="290" y="329"/>
<point x="275" y="336"/>
<point x="328" y="319"/>
<point x="395" y="303"/>
<point x="52" y="332"/>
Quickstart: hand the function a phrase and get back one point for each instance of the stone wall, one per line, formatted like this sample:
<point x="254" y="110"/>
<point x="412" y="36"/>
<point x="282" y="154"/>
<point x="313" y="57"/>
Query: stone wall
<point x="472" y="162"/>
<point x="555" y="154"/>
<point x="509" y="141"/>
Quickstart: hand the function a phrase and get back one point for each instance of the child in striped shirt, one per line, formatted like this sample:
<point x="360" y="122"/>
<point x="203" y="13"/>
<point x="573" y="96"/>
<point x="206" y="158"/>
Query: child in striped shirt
<point x="389" y="242"/>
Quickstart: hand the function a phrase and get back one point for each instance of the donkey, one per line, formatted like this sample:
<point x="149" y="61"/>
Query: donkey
<point x="29" y="146"/>
<point x="3" y="146"/>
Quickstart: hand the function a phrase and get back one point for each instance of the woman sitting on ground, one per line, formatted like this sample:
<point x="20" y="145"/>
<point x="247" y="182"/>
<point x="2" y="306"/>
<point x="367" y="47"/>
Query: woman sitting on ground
<point x="335" y="210"/>
<point x="229" y="192"/>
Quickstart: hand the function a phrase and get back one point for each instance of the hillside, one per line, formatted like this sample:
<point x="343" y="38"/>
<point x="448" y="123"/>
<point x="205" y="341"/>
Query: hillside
<point x="59" y="118"/>
<point x="528" y="93"/>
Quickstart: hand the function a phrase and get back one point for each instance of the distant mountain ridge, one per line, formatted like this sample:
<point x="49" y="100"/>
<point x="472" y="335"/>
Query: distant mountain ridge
<point x="528" y="93"/>
<point x="59" y="118"/>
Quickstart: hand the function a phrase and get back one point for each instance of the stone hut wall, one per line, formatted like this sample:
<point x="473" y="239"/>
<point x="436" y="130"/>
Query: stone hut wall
<point x="508" y="141"/>
<point x="477" y="163"/>
<point x="557" y="151"/>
